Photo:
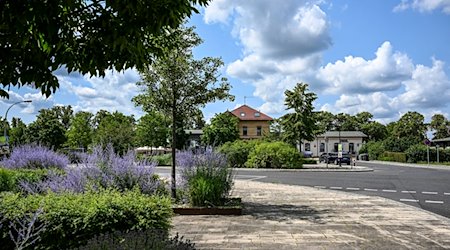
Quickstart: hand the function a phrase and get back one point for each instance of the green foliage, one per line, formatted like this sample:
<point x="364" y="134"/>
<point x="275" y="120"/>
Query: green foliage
<point x="440" y="126"/>
<point x="237" y="152"/>
<point x="274" y="155"/>
<point x="301" y="124"/>
<point x="309" y="161"/>
<point x="40" y="37"/>
<point x="324" y="121"/>
<point x="161" y="160"/>
<point x="72" y="219"/>
<point x="17" y="133"/>
<point x="80" y="132"/>
<point x="116" y="129"/>
<point x="374" y="130"/>
<point x="223" y="128"/>
<point x="418" y="153"/>
<point x="393" y="156"/>
<point x="374" y="148"/>
<point x="10" y="178"/>
<point x="410" y="125"/>
<point x="400" y="144"/>
<point x="152" y="130"/>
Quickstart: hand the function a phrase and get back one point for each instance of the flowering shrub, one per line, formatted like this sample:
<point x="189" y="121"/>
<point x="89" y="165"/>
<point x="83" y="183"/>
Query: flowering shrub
<point x="103" y="169"/>
<point x="206" y="177"/>
<point x="34" y="157"/>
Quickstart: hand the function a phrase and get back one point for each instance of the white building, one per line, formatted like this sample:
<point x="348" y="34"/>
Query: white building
<point x="351" y="141"/>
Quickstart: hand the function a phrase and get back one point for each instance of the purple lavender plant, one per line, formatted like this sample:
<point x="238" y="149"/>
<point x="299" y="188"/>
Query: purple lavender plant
<point x="103" y="169"/>
<point x="34" y="156"/>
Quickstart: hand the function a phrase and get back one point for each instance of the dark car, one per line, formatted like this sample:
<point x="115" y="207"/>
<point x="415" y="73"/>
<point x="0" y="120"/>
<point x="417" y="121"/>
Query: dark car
<point x="333" y="158"/>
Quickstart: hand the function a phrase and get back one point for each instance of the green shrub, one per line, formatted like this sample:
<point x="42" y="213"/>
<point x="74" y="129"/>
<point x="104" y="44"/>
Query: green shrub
<point x="393" y="156"/>
<point x="237" y="152"/>
<point x="375" y="149"/>
<point x="418" y="153"/>
<point x="72" y="219"/>
<point x="10" y="178"/>
<point x="162" y="160"/>
<point x="274" y="155"/>
<point x="309" y="161"/>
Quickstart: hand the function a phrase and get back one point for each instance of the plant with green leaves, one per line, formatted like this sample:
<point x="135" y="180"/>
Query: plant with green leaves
<point x="274" y="155"/>
<point x="300" y="124"/>
<point x="178" y="85"/>
<point x="237" y="152"/>
<point x="88" y="36"/>
<point x="81" y="130"/>
<point x="152" y="130"/>
<point x="223" y="128"/>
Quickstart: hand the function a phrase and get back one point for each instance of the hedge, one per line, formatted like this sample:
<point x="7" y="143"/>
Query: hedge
<point x="72" y="219"/>
<point x="418" y="153"/>
<point x="393" y="156"/>
<point x="237" y="152"/>
<point x="274" y="155"/>
<point x="11" y="178"/>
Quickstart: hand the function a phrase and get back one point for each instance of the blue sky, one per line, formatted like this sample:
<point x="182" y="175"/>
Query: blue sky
<point x="384" y="57"/>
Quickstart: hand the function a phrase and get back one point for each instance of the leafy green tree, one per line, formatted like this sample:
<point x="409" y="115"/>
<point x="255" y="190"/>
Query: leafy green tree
<point x="411" y="125"/>
<point x="223" y="128"/>
<point x="17" y="132"/>
<point x="47" y="130"/>
<point x="374" y="130"/>
<point x="275" y="131"/>
<point x="324" y="121"/>
<point x="345" y="122"/>
<point x="363" y="118"/>
<point x="177" y="85"/>
<point x="88" y="36"/>
<point x="301" y="124"/>
<point x="116" y="129"/>
<point x="152" y="130"/>
<point x="80" y="132"/>
<point x="440" y="125"/>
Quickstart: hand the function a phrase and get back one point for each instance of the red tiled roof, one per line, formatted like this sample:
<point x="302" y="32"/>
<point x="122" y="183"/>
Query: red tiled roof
<point x="245" y="113"/>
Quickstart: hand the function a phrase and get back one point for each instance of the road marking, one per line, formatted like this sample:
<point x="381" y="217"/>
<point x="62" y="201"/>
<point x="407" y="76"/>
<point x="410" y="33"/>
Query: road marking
<point x="320" y="187"/>
<point x="351" y="188"/>
<point x="389" y="191"/>
<point x="409" y="192"/>
<point x="250" y="177"/>
<point x="370" y="189"/>
<point x="409" y="200"/>
<point x="434" y="202"/>
<point x="446" y="193"/>
<point x="335" y="187"/>
<point x="425" y="192"/>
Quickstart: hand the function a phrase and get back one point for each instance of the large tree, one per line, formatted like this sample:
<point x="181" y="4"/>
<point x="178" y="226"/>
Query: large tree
<point x="17" y="132"/>
<point x="300" y="124"/>
<point x="48" y="129"/>
<point x="88" y="36"/>
<point x="177" y="85"/>
<point x="152" y="130"/>
<point x="223" y="128"/>
<point x="440" y="125"/>
<point x="411" y="125"/>
<point x="80" y="132"/>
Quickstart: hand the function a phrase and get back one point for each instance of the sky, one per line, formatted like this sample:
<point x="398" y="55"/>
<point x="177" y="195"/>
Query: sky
<point x="384" y="57"/>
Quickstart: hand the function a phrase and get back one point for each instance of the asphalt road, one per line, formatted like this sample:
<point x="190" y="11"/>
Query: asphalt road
<point x="428" y="189"/>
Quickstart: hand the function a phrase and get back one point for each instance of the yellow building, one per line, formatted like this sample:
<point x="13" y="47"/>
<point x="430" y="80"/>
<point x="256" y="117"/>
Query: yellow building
<point x="252" y="123"/>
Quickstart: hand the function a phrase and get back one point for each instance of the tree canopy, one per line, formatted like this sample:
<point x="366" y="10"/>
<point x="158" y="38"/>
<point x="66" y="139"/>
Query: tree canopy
<point x="88" y="36"/>
<point x="223" y="128"/>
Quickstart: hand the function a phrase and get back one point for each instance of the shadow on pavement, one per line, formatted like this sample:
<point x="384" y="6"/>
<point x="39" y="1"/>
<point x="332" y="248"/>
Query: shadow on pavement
<point x="285" y="212"/>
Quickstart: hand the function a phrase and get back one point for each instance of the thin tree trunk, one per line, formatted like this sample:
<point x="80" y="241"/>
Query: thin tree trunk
<point x="174" y="190"/>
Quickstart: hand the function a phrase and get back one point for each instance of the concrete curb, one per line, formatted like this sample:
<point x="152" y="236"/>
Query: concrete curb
<point x="410" y="165"/>
<point x="309" y="168"/>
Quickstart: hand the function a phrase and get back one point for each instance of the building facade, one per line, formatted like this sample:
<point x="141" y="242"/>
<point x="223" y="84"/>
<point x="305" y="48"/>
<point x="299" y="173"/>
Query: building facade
<point x="253" y="124"/>
<point x="351" y="141"/>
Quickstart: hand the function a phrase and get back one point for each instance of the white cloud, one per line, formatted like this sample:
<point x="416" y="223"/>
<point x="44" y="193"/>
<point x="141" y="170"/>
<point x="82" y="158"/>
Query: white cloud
<point x="424" y="5"/>
<point x="357" y="75"/>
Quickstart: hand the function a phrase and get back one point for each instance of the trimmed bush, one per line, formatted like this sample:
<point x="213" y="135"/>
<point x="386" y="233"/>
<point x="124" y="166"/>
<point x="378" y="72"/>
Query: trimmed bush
<point x="206" y="177"/>
<point x="35" y="157"/>
<point x="393" y="156"/>
<point x="72" y="219"/>
<point x="375" y="149"/>
<point x="418" y="153"/>
<point x="10" y="179"/>
<point x="237" y="152"/>
<point x="274" y="155"/>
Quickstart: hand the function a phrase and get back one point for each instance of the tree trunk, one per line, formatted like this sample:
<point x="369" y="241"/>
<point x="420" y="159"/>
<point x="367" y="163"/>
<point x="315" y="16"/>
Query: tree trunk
<point x="174" y="129"/>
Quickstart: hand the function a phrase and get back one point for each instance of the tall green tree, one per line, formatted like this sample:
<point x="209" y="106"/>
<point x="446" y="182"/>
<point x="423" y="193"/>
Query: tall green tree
<point x="374" y="130"/>
<point x="81" y="130"/>
<point x="345" y="122"/>
<point x="300" y="124"/>
<point x="324" y="121"/>
<point x="223" y="128"/>
<point x="152" y="130"/>
<point x="17" y="132"/>
<point x="88" y="36"/>
<point x="412" y="125"/>
<point x="440" y="125"/>
<point x="116" y="129"/>
<point x="47" y="130"/>
<point x="177" y="85"/>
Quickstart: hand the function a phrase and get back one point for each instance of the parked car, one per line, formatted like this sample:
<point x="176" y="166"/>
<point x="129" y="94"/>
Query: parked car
<point x="333" y="158"/>
<point x="307" y="154"/>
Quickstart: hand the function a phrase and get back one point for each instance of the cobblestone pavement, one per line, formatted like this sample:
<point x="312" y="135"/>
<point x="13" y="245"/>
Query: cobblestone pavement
<point x="280" y="216"/>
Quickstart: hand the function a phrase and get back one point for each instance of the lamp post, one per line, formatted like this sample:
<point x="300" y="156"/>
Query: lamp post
<point x="6" y="120"/>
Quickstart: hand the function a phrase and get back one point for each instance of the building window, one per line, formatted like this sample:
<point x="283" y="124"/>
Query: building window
<point x="244" y="130"/>
<point x="351" y="147"/>
<point x="307" y="147"/>
<point x="322" y="147"/>
<point x="336" y="147"/>
<point x="258" y="131"/>
<point x="257" y="114"/>
<point x="242" y="114"/>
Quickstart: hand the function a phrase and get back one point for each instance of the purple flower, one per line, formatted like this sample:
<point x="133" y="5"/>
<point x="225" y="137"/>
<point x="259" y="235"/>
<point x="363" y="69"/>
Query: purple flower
<point x="34" y="156"/>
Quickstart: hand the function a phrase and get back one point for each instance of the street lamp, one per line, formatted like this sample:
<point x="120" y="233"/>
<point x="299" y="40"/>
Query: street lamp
<point x="6" y="120"/>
